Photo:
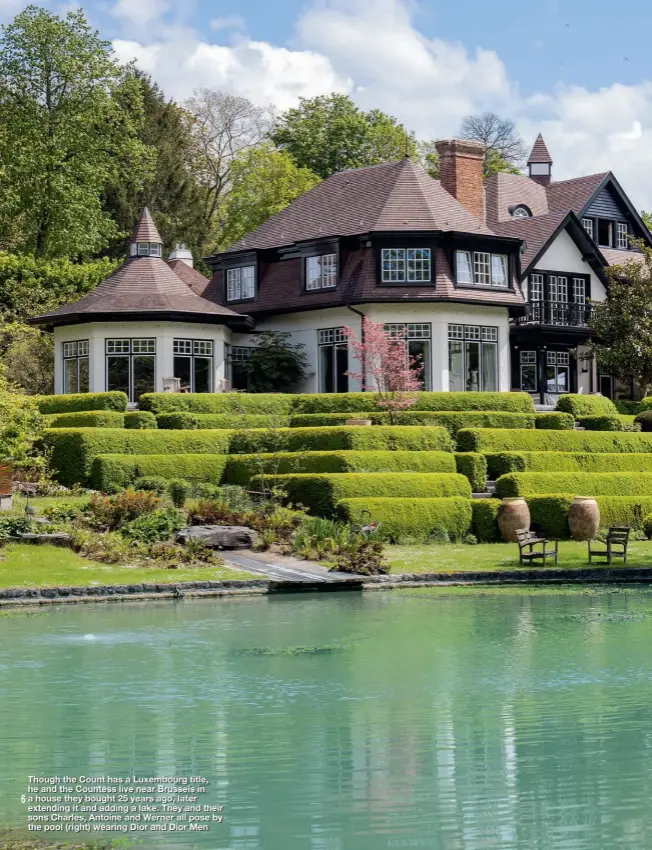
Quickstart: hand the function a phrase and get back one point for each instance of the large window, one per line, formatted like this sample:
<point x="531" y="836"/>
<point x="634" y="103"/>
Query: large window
<point x="236" y="366"/>
<point x="406" y="265"/>
<point x="321" y="272"/>
<point x="75" y="366"/>
<point x="131" y="366"/>
<point x="536" y="287"/>
<point x="479" y="268"/>
<point x="417" y="336"/>
<point x="472" y="358"/>
<point x="240" y="283"/>
<point x="193" y="364"/>
<point x="529" y="381"/>
<point x="557" y="371"/>
<point x="333" y="361"/>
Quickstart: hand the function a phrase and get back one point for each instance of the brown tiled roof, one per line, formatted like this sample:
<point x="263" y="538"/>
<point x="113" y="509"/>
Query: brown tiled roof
<point x="145" y="229"/>
<point x="536" y="232"/>
<point x="573" y="194"/>
<point x="617" y="258"/>
<point x="393" y="196"/>
<point x="539" y="152"/>
<point x="189" y="275"/>
<point x="503" y="191"/>
<point x="140" y="285"/>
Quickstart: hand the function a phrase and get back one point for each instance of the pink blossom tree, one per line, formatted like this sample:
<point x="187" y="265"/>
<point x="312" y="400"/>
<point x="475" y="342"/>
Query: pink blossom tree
<point x="387" y="367"/>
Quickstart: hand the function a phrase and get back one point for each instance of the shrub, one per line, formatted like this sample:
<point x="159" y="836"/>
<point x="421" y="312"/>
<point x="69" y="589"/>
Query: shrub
<point x="86" y="419"/>
<point x="362" y="557"/>
<point x="74" y="402"/>
<point x="496" y="440"/>
<point x="600" y="423"/>
<point x="155" y="526"/>
<point x="389" y="437"/>
<point x="178" y="490"/>
<point x="412" y="518"/>
<point x="644" y="419"/>
<point x="270" y="403"/>
<point x="579" y="483"/>
<point x="550" y="513"/>
<point x="453" y="420"/>
<point x="21" y="424"/>
<point x="628" y="407"/>
<point x="502" y="463"/>
<point x="485" y="520"/>
<point x="645" y="404"/>
<point x="474" y="466"/>
<point x="320" y="493"/>
<point x="579" y="404"/>
<point x="202" y="421"/>
<point x="356" y="402"/>
<point x="554" y="421"/>
<point x="647" y="526"/>
<point x="140" y="420"/>
<point x="241" y="468"/>
<point x="11" y="525"/>
<point x="152" y="483"/>
<point x="74" y="449"/>
<point x="111" y="512"/>
<point x="111" y="472"/>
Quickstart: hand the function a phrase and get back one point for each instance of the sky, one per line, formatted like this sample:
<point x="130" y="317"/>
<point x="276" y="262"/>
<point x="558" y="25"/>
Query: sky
<point x="578" y="71"/>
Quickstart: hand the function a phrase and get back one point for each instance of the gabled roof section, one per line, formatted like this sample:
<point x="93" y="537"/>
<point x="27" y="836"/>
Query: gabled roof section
<point x="145" y="229"/>
<point x="574" y="194"/>
<point x="392" y="196"/>
<point x="189" y="275"/>
<point x="539" y="152"/>
<point x="505" y="191"/>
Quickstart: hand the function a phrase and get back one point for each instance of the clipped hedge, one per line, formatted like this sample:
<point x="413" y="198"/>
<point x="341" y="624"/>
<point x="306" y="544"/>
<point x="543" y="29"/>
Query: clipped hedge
<point x="453" y="420"/>
<point x="74" y="449"/>
<point x="556" y="421"/>
<point x="320" y="493"/>
<point x="359" y="402"/>
<point x="487" y="440"/>
<point x="74" y="402"/>
<point x="241" y="468"/>
<point x="140" y="420"/>
<point x="411" y="518"/>
<point x="269" y="403"/>
<point x="86" y="419"/>
<point x="503" y="462"/>
<point x="579" y="404"/>
<point x="628" y="407"/>
<point x="485" y="520"/>
<point x="390" y="437"/>
<point x="474" y="466"/>
<point x="184" y="421"/>
<point x="601" y="423"/>
<point x="550" y="513"/>
<point x="112" y="472"/>
<point x="579" y="483"/>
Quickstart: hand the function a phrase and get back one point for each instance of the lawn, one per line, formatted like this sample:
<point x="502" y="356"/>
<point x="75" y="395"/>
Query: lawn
<point x="25" y="565"/>
<point x="40" y="503"/>
<point x="438" y="558"/>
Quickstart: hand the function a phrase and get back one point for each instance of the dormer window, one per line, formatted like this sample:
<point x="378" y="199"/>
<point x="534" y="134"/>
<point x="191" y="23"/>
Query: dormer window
<point x="146" y="249"/>
<point x="321" y="272"/>
<point x="479" y="268"/>
<point x="241" y="283"/>
<point x="406" y="265"/>
<point x="521" y="211"/>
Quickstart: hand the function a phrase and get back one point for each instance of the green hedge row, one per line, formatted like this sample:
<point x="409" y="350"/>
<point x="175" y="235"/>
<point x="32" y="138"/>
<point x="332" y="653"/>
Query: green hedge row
<point x="113" y="472"/>
<point x="278" y="403"/>
<point x="320" y="493"/>
<point x="474" y="467"/>
<point x="453" y="420"/>
<point x="580" y="483"/>
<point x="485" y="520"/>
<point x="140" y="420"/>
<point x="75" y="402"/>
<point x="555" y="421"/>
<point x="579" y="404"/>
<point x="487" y="440"/>
<point x="205" y="421"/>
<point x="601" y="423"/>
<point x="86" y="419"/>
<point x="501" y="463"/>
<point x="549" y="514"/>
<point x="241" y="468"/>
<point x="411" y="518"/>
<point x="73" y="449"/>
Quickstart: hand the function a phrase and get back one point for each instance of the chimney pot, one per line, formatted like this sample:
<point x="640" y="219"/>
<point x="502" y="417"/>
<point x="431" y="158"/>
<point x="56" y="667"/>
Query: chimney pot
<point x="183" y="253"/>
<point x="460" y="170"/>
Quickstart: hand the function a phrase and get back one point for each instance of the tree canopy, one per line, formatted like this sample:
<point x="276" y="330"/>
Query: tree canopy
<point x="505" y="149"/>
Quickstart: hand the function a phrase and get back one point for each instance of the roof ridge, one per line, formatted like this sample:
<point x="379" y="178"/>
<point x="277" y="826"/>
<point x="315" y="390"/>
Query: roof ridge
<point x="389" y="199"/>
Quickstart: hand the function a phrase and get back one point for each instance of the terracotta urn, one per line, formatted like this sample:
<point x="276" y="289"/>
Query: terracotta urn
<point x="584" y="518"/>
<point x="358" y="422"/>
<point x="513" y="514"/>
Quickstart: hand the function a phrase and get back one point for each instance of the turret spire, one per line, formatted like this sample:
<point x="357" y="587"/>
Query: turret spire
<point x="145" y="239"/>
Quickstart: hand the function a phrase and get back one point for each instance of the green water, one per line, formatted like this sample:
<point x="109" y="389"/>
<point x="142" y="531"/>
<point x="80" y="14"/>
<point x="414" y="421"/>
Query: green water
<point x="459" y="721"/>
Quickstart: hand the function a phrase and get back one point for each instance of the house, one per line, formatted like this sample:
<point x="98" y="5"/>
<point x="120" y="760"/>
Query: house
<point x="490" y="282"/>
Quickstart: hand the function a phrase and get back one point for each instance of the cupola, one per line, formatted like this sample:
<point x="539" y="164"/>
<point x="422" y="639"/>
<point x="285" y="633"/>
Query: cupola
<point x="145" y="239"/>
<point x="539" y="163"/>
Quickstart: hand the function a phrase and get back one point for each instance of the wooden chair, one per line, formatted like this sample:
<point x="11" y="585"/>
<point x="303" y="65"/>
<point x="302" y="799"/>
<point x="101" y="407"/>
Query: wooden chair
<point x="615" y="546"/>
<point x="527" y="540"/>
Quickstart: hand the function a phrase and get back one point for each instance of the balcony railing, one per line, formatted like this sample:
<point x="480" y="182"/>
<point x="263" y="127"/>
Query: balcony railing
<point x="553" y="313"/>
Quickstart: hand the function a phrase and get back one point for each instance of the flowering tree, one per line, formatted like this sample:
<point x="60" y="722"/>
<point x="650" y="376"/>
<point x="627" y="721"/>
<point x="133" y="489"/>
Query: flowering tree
<point x="387" y="367"/>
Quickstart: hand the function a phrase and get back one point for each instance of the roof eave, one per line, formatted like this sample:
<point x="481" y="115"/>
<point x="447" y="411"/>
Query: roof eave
<point x="236" y="321"/>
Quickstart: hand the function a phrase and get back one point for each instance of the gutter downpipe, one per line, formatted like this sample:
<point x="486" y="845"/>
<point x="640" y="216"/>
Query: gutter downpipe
<point x="363" y="382"/>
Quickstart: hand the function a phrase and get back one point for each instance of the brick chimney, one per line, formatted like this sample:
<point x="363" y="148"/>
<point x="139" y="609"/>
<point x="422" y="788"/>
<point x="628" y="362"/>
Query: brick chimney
<point x="460" y="170"/>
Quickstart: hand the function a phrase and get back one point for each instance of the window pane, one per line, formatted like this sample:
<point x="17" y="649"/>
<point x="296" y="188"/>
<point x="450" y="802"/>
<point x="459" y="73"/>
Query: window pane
<point x="329" y="269"/>
<point x="203" y="370"/>
<point x="551" y="379"/>
<point x="562" y="379"/>
<point x="418" y="265"/>
<point x="182" y="346"/>
<point x="248" y="282"/>
<point x="419" y="351"/>
<point x="579" y="293"/>
<point x="341" y="368"/>
<point x="588" y="226"/>
<point x="622" y="236"/>
<point x="143" y="366"/>
<point x="203" y="346"/>
<point x="84" y="381"/>
<point x="455" y="366"/>
<point x="529" y="378"/>
<point x="70" y="383"/>
<point x="182" y="371"/>
<point x="393" y="262"/>
<point x="464" y="269"/>
<point x="536" y="287"/>
<point x="326" y="368"/>
<point x="604" y="232"/>
<point x="481" y="268"/>
<point x="233" y="285"/>
<point x="472" y="376"/>
<point x="117" y="374"/>
<point x="489" y="368"/>
<point x="499" y="270"/>
<point x="313" y="273"/>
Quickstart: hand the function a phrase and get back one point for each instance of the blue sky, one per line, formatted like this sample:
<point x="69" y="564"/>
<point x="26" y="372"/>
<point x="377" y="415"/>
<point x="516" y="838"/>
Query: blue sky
<point x="576" y="70"/>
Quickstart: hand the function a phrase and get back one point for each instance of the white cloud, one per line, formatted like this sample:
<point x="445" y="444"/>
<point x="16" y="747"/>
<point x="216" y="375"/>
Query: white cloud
<point x="139" y="13"/>
<point x="229" y="22"/>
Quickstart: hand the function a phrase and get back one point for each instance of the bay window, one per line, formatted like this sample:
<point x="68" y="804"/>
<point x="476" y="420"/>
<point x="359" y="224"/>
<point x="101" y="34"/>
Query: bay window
<point x="480" y="268"/>
<point x="417" y="337"/>
<point x="75" y="366"/>
<point x="333" y="360"/>
<point x="193" y="364"/>
<point x="472" y="358"/>
<point x="321" y="272"/>
<point x="131" y="366"/>
<point x="241" y="283"/>
<point x="406" y="265"/>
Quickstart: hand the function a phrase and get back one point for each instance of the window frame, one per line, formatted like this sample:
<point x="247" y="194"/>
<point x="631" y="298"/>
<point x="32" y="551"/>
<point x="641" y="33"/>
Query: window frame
<point x="131" y="355"/>
<point x="337" y="341"/>
<point x="230" y="359"/>
<point x="76" y="358"/>
<point x="482" y="336"/>
<point x="620" y="233"/>
<point x="533" y="360"/>
<point x="559" y="361"/>
<point x="239" y="268"/>
<point x="486" y="266"/>
<point x="416" y="332"/>
<point x="428" y="263"/>
<point x="191" y="355"/>
<point x="321" y="255"/>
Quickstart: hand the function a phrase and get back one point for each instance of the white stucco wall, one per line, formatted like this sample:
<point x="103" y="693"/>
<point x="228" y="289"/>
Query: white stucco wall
<point x="564" y="256"/>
